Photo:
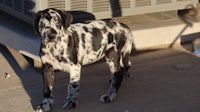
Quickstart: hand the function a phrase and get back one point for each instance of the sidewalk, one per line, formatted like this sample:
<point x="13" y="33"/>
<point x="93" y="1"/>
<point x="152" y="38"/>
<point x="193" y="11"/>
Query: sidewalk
<point x="161" y="81"/>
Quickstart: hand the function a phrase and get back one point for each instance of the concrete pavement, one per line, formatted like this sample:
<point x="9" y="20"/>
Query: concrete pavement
<point x="161" y="81"/>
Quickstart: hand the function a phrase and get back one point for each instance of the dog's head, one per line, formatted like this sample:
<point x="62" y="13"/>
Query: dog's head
<point x="49" y="21"/>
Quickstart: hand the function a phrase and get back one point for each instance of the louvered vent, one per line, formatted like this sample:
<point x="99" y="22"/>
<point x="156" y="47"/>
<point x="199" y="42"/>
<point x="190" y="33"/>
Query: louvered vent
<point x="139" y="3"/>
<point x="58" y="4"/>
<point x="100" y="5"/>
<point x="28" y="6"/>
<point x="9" y="3"/>
<point x="182" y="0"/>
<point x="118" y="4"/>
<point x="22" y="6"/>
<point x="98" y="9"/>
<point x="163" y="1"/>
<point x="80" y="5"/>
<point x="19" y="5"/>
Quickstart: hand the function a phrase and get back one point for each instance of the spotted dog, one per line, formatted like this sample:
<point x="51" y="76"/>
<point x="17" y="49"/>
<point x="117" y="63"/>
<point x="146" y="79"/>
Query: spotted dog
<point x="66" y="47"/>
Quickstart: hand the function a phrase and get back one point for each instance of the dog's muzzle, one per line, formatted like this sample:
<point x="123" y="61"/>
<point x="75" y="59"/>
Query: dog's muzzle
<point x="50" y="35"/>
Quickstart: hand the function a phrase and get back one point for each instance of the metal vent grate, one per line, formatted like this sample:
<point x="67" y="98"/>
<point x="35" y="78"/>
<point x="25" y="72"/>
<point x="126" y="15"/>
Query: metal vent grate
<point x="19" y="5"/>
<point x="182" y="0"/>
<point x="121" y="4"/>
<point x="163" y="1"/>
<point x="28" y="6"/>
<point x="80" y="5"/>
<point x="22" y="6"/>
<point x="9" y="3"/>
<point x="58" y="4"/>
<point x="99" y="6"/>
<point x="99" y="9"/>
<point x="139" y="3"/>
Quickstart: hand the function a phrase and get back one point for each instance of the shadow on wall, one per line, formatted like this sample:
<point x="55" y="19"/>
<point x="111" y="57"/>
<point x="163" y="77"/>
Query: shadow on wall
<point x="188" y="16"/>
<point x="115" y="8"/>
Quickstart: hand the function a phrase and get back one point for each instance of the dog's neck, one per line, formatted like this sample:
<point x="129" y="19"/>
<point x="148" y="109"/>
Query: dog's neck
<point x="53" y="38"/>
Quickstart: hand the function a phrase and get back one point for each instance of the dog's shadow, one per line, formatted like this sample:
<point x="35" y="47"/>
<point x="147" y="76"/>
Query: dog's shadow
<point x="30" y="79"/>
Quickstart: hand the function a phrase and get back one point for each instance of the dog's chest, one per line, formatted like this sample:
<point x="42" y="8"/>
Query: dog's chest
<point x="55" y="54"/>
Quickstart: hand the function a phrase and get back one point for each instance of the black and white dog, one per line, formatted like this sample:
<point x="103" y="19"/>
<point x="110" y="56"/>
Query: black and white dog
<point x="66" y="47"/>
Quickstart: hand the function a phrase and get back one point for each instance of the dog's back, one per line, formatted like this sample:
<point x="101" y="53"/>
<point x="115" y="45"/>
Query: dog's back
<point x="96" y="38"/>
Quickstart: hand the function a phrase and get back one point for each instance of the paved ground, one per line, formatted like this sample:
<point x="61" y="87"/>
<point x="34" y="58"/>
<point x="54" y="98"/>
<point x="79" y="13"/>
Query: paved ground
<point x="161" y="81"/>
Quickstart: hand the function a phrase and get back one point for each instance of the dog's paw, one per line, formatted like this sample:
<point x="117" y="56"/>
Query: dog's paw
<point x="45" y="106"/>
<point x="70" y="104"/>
<point x="106" y="98"/>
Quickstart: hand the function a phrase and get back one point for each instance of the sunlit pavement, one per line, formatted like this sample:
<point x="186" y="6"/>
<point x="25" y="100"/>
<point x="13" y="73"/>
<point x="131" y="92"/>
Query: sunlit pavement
<point x="161" y="81"/>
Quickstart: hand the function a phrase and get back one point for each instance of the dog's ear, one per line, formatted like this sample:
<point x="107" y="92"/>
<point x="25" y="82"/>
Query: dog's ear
<point x="36" y="21"/>
<point x="67" y="18"/>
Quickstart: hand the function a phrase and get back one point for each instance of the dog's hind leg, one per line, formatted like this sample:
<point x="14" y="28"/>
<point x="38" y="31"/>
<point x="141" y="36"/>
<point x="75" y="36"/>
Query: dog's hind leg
<point x="125" y="64"/>
<point x="48" y="80"/>
<point x="119" y="68"/>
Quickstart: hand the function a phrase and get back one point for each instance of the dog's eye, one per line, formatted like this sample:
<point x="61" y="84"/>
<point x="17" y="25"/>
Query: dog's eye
<point x="42" y="25"/>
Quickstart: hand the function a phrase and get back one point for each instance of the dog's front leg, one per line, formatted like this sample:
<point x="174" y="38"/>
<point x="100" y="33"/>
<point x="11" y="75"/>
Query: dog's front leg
<point x="48" y="80"/>
<point x="73" y="87"/>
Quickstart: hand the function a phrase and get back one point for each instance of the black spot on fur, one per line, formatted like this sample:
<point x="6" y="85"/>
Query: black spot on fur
<point x="74" y="85"/>
<point x="83" y="40"/>
<point x="61" y="59"/>
<point x="124" y="25"/>
<point x="48" y="16"/>
<point x="85" y="28"/>
<point x="58" y="58"/>
<point x="62" y="52"/>
<point x="72" y="104"/>
<point x="64" y="60"/>
<point x="41" y="53"/>
<point x="110" y="38"/>
<point x="110" y="52"/>
<point x="59" y="39"/>
<point x="110" y="23"/>
<point x="104" y="29"/>
<point x="97" y="38"/>
<point x="73" y="47"/>
<point x="120" y="39"/>
<point x="99" y="54"/>
<point x="107" y="99"/>
<point x="65" y="40"/>
<point x="52" y="50"/>
<point x="114" y="56"/>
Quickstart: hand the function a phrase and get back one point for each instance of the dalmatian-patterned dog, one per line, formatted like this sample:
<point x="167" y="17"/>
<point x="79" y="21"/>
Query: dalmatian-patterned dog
<point x="66" y="47"/>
